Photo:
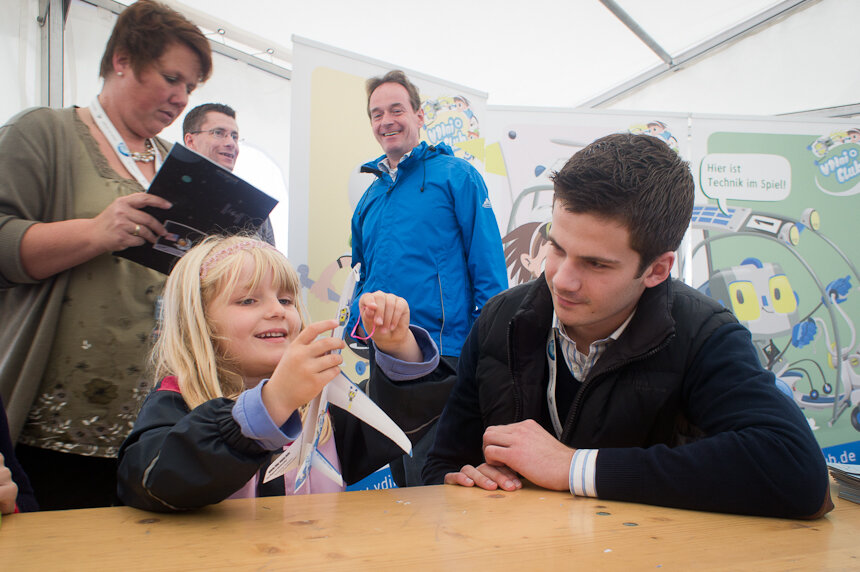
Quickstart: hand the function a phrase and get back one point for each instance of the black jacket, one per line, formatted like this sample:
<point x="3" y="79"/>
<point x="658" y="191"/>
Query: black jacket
<point x="176" y="459"/>
<point x="682" y="411"/>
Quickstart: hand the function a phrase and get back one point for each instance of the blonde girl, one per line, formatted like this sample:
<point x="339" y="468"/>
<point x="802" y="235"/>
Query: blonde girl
<point x="234" y="364"/>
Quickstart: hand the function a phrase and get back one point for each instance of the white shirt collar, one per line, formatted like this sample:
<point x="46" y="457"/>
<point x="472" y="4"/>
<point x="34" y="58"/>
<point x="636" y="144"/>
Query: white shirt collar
<point x="613" y="336"/>
<point x="385" y="167"/>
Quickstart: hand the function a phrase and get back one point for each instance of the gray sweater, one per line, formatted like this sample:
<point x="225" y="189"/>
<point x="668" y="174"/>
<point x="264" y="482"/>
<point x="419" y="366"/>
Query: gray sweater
<point x="42" y="153"/>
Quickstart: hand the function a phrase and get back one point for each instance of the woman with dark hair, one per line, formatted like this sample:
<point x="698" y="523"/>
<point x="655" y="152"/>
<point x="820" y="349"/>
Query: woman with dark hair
<point x="76" y="320"/>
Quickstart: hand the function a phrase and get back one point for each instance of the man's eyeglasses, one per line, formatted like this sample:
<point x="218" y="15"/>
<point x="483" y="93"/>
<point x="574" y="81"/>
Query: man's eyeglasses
<point x="219" y="133"/>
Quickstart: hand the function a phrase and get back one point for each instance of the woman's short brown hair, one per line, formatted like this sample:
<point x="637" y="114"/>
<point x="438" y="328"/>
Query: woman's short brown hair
<point x="143" y="32"/>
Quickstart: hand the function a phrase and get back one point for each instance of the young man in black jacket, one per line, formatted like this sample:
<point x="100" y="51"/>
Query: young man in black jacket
<point x="608" y="378"/>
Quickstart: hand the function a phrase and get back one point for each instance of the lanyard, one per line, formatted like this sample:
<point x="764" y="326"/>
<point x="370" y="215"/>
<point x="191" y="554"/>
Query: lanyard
<point x="598" y="349"/>
<point x="550" y="387"/>
<point x="118" y="145"/>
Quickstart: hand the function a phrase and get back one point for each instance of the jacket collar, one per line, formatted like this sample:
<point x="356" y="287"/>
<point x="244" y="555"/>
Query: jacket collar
<point x="650" y="327"/>
<point x="420" y="153"/>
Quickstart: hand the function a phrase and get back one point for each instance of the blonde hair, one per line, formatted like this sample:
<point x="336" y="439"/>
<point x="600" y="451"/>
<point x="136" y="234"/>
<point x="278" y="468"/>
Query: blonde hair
<point x="187" y="346"/>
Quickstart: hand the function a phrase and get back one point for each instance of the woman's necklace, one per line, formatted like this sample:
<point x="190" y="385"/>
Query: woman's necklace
<point x="119" y="147"/>
<point x="148" y="154"/>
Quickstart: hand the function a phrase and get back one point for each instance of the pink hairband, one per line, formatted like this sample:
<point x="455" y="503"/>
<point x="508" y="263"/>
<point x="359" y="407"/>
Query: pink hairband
<point x="222" y="254"/>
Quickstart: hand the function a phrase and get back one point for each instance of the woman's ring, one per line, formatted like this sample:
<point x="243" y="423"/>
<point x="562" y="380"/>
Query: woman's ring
<point x="136" y="230"/>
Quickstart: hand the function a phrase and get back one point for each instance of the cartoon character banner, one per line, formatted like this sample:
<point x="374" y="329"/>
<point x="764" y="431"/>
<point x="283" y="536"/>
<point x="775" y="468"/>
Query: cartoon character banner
<point x="525" y="146"/>
<point x="774" y="239"/>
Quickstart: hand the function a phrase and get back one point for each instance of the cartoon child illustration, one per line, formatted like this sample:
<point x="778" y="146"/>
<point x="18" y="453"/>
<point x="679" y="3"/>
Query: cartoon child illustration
<point x="525" y="251"/>
<point x="658" y="129"/>
<point x="462" y="104"/>
<point x="473" y="128"/>
<point x="825" y="143"/>
<point x="852" y="136"/>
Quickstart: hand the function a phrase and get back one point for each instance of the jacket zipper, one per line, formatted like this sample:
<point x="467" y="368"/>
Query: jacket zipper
<point x="442" y="305"/>
<point x="580" y="395"/>
<point x="518" y="406"/>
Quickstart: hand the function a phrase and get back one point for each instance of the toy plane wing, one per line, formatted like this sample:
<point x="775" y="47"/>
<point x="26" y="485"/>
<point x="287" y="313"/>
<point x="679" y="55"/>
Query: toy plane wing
<point x="346" y="395"/>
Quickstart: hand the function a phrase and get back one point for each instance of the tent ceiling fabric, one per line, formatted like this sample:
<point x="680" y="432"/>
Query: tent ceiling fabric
<point x="678" y="26"/>
<point x="541" y="53"/>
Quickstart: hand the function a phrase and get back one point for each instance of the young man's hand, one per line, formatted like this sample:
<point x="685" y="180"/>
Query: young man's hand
<point x="486" y="477"/>
<point x="523" y="448"/>
<point x="528" y="449"/>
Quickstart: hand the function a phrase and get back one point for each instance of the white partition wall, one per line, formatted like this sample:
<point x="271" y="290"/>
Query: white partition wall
<point x="19" y="56"/>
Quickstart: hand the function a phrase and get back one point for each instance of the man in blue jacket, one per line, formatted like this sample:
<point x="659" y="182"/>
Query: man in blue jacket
<point x="425" y="231"/>
<point x="607" y="378"/>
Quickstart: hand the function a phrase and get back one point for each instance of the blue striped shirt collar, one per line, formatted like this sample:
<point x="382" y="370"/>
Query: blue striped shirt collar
<point x="580" y="363"/>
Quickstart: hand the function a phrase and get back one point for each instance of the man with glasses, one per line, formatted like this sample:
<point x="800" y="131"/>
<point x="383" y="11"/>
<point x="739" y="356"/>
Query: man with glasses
<point x="211" y="130"/>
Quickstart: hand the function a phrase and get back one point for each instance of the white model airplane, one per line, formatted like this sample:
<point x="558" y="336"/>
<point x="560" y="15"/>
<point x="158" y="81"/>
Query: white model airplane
<point x="346" y="395"/>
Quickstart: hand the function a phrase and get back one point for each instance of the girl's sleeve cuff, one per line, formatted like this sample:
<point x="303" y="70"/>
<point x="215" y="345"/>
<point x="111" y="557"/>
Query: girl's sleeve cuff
<point x="256" y="423"/>
<point x="399" y="370"/>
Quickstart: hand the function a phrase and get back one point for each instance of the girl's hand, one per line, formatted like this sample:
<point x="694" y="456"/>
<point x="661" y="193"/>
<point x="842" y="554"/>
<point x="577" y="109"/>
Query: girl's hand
<point x="387" y="316"/>
<point x="307" y="366"/>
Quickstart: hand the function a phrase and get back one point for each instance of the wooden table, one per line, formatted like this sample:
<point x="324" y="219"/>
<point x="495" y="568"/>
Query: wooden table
<point x="427" y="528"/>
